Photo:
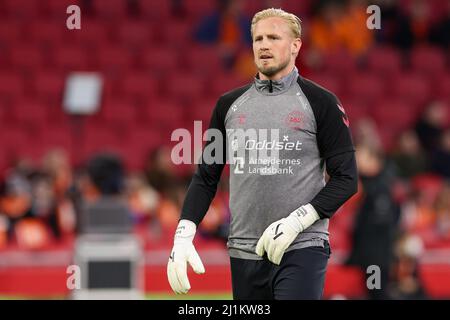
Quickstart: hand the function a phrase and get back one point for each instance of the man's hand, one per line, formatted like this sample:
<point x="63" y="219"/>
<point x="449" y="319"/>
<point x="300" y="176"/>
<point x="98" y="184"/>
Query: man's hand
<point x="280" y="234"/>
<point x="183" y="251"/>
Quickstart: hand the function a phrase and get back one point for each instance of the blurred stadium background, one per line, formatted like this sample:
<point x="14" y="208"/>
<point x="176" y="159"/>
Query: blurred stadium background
<point x="162" y="65"/>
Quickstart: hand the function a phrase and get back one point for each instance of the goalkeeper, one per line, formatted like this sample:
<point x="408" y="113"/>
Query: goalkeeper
<point x="278" y="240"/>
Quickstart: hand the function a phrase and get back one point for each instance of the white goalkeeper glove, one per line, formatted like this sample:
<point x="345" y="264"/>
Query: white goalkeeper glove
<point x="280" y="234"/>
<point x="183" y="251"/>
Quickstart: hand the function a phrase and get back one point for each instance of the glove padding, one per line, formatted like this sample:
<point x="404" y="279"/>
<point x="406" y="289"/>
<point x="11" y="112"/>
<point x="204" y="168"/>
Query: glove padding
<point x="183" y="251"/>
<point x="280" y="234"/>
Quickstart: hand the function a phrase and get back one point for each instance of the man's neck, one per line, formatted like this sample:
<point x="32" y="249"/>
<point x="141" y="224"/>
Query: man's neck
<point x="278" y="75"/>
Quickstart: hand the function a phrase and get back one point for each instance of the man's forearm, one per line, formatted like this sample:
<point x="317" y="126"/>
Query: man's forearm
<point x="201" y="192"/>
<point x="342" y="185"/>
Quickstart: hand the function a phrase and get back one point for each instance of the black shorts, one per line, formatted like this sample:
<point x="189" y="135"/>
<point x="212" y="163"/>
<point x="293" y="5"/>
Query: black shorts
<point x="300" y="275"/>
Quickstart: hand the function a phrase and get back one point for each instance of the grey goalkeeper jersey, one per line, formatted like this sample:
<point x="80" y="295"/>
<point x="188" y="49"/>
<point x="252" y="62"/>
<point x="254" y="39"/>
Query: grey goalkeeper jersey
<point x="279" y="138"/>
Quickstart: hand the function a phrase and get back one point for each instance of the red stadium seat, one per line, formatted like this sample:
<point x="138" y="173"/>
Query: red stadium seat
<point x="386" y="61"/>
<point x="70" y="58"/>
<point x="224" y="82"/>
<point x="55" y="8"/>
<point x="366" y="87"/>
<point x="113" y="58"/>
<point x="328" y="81"/>
<point x="93" y="32"/>
<point x="42" y="31"/>
<point x="339" y="63"/>
<point x="355" y="109"/>
<point x="12" y="85"/>
<point x="199" y="8"/>
<point x="204" y="60"/>
<point x="119" y="113"/>
<point x="428" y="60"/>
<point x="185" y="86"/>
<point x="99" y="138"/>
<point x="139" y="86"/>
<point x="159" y="60"/>
<point x="114" y="8"/>
<point x="30" y="113"/>
<point x="202" y="111"/>
<point x="394" y="114"/>
<point x="13" y="140"/>
<point x="136" y="33"/>
<point x="177" y="34"/>
<point x="22" y="8"/>
<point x="48" y="86"/>
<point x="164" y="113"/>
<point x="156" y="9"/>
<point x="411" y="87"/>
<point x="10" y="32"/>
<point x="27" y="57"/>
<point x="441" y="87"/>
<point x="57" y="136"/>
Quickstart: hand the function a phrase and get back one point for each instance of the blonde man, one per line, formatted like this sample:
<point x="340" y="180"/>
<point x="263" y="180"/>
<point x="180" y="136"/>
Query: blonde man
<point x="283" y="133"/>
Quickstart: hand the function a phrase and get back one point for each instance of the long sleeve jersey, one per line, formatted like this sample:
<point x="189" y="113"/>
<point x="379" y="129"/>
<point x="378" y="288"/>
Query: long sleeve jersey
<point x="280" y="138"/>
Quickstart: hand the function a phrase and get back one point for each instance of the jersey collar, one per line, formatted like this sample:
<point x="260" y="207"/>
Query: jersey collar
<point x="275" y="87"/>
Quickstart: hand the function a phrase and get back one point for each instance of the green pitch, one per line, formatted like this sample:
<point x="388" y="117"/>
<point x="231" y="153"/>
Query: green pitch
<point x="191" y="296"/>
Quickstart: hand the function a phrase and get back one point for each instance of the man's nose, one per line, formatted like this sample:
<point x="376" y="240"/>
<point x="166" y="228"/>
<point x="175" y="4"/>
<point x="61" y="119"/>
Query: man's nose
<point x="265" y="44"/>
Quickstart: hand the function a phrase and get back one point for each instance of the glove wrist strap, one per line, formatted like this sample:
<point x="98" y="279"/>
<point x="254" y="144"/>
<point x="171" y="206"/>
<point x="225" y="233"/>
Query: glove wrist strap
<point x="185" y="232"/>
<point x="305" y="216"/>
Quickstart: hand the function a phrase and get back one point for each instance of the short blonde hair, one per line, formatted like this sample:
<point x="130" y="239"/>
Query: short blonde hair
<point x="295" y="24"/>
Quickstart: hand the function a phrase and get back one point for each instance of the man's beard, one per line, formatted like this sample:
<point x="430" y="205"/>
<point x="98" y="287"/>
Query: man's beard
<point x="271" y="71"/>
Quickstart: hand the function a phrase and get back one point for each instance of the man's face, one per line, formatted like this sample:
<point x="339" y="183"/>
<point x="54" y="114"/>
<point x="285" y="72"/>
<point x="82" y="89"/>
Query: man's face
<point x="274" y="46"/>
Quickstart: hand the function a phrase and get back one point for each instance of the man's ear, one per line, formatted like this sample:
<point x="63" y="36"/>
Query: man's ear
<point x="296" y="45"/>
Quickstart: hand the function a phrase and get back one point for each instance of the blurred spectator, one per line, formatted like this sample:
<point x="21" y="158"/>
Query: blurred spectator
<point x="418" y="212"/>
<point x="443" y="213"/>
<point x="409" y="157"/>
<point x="441" y="31"/>
<point x="15" y="201"/>
<point x="160" y="171"/>
<point x="402" y="27"/>
<point x="105" y="210"/>
<point x="228" y="27"/>
<point x="430" y="126"/>
<point x="340" y="25"/>
<point x="376" y="219"/>
<point x="406" y="283"/>
<point x="366" y="133"/>
<point x="216" y="223"/>
<point x="440" y="162"/>
<point x="56" y="166"/>
<point x="142" y="198"/>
